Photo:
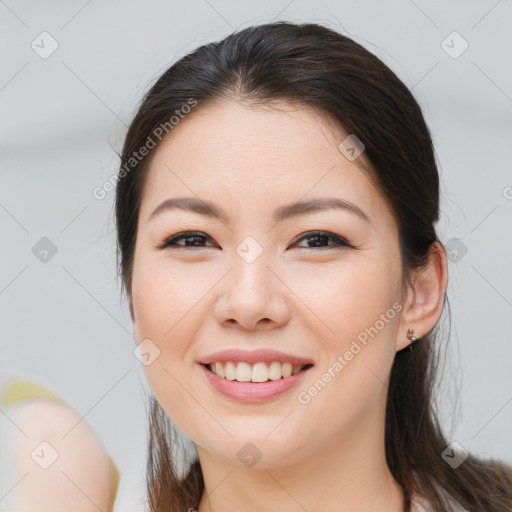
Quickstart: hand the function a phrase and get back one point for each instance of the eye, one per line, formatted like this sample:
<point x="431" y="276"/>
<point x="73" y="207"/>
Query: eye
<point x="321" y="238"/>
<point x="196" y="238"/>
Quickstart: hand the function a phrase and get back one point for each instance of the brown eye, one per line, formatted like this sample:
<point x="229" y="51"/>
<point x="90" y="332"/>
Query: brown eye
<point x="321" y="240"/>
<point x="189" y="238"/>
<point x="197" y="239"/>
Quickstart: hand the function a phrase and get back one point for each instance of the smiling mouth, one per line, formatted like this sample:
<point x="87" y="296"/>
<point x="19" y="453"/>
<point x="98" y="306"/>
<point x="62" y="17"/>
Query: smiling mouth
<point x="255" y="373"/>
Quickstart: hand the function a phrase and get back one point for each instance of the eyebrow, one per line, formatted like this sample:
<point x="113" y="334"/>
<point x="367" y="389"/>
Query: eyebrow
<point x="209" y="209"/>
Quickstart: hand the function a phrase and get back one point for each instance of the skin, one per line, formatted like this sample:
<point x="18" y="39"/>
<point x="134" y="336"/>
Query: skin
<point x="307" y="301"/>
<point x="78" y="478"/>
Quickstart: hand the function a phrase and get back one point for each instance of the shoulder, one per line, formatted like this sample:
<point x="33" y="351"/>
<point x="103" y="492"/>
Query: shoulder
<point x="40" y="449"/>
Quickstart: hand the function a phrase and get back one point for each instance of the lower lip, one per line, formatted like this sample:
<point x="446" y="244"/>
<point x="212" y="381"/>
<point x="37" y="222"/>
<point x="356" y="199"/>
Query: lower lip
<point x="253" y="392"/>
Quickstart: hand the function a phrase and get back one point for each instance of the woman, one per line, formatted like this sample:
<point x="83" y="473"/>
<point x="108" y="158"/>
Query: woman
<point x="275" y="209"/>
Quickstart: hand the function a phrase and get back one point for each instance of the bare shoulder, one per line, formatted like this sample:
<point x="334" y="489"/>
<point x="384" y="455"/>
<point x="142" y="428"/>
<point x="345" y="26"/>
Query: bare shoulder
<point x="58" y="460"/>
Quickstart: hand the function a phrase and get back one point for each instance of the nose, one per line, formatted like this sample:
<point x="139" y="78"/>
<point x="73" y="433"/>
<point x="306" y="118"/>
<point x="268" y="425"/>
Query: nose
<point x="253" y="296"/>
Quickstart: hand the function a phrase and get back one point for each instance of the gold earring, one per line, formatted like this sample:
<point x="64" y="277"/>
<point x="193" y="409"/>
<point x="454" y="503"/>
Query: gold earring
<point x="414" y="339"/>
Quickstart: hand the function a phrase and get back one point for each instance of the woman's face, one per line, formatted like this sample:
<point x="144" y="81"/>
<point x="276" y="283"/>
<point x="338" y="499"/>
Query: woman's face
<point x="253" y="280"/>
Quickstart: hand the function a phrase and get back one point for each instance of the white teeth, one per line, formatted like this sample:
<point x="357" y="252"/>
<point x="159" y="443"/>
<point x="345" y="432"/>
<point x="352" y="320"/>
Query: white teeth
<point x="230" y="371"/>
<point x="274" y="371"/>
<point x="287" y="369"/>
<point x="243" y="372"/>
<point x="259" y="372"/>
<point x="219" y="370"/>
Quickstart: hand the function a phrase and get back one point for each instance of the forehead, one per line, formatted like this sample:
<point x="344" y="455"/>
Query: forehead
<point x="253" y="134"/>
<point x="257" y="156"/>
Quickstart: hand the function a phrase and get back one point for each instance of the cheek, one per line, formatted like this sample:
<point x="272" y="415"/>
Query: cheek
<point x="356" y="326"/>
<point x="169" y="312"/>
<point x="345" y="297"/>
<point x="166" y="299"/>
<point x="176" y="392"/>
<point x="356" y="359"/>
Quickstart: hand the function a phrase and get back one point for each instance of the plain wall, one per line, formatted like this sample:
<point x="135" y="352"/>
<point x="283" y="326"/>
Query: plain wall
<point x="62" y="119"/>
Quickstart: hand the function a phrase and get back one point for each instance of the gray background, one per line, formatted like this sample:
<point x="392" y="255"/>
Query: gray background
<point x="62" y="321"/>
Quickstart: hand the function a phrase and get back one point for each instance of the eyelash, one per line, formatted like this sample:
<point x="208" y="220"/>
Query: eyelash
<point x="171" y="242"/>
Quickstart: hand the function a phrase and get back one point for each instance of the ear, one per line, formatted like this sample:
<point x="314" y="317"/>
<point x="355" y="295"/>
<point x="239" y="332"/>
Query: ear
<point x="425" y="297"/>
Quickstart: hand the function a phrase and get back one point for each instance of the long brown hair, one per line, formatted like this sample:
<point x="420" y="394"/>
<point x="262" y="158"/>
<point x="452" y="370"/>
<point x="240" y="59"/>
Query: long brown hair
<point x="311" y="64"/>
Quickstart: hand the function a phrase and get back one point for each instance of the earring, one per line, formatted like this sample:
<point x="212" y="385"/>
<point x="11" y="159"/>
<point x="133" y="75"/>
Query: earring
<point x="410" y="335"/>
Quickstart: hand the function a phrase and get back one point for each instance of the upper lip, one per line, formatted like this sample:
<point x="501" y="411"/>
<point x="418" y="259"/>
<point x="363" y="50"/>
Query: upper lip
<point x="254" y="356"/>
